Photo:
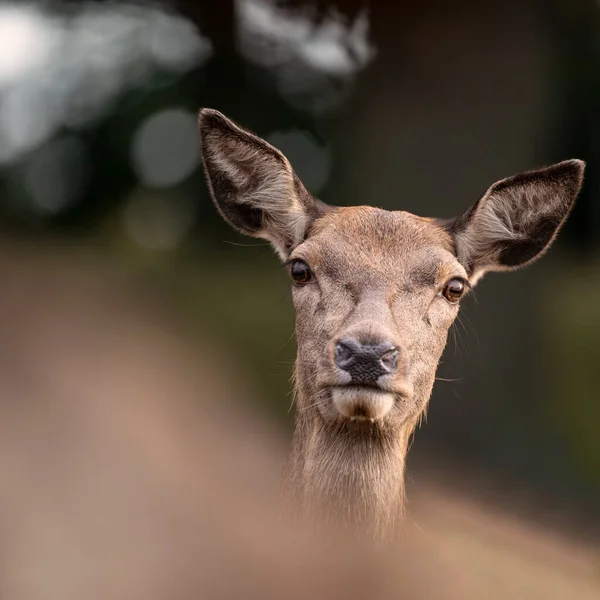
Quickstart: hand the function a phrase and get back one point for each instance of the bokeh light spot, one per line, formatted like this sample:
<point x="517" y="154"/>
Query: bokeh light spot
<point x="165" y="149"/>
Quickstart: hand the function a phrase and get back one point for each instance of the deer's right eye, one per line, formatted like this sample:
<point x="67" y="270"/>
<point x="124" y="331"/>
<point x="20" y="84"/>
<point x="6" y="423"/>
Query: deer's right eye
<point x="300" y="272"/>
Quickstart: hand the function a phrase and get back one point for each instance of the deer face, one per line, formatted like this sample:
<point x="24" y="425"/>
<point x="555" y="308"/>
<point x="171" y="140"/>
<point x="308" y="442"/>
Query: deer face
<point x="376" y="291"/>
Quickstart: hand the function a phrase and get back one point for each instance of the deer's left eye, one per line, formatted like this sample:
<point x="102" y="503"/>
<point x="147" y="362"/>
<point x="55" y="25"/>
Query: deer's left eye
<point x="454" y="290"/>
<point x="300" y="272"/>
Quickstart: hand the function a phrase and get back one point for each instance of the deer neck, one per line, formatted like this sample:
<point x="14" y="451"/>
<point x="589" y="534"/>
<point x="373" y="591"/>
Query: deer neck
<point x="349" y="474"/>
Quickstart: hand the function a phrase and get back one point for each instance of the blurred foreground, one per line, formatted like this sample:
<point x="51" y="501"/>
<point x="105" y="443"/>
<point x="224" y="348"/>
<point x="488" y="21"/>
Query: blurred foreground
<point x="129" y="470"/>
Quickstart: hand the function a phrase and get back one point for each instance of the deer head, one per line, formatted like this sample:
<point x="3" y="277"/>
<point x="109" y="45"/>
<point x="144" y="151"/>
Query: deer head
<point x="375" y="293"/>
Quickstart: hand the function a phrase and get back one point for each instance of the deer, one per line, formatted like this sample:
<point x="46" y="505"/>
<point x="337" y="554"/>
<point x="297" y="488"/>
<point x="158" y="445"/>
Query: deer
<point x="374" y="292"/>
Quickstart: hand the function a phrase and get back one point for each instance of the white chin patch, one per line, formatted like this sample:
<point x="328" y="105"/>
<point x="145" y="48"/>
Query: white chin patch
<point x="362" y="403"/>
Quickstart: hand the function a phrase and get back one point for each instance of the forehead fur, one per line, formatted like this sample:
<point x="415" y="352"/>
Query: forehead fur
<point x="381" y="231"/>
<point x="362" y="243"/>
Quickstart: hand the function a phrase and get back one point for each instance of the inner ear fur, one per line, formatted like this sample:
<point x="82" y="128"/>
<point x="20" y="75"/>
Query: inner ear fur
<point x="253" y="184"/>
<point x="517" y="219"/>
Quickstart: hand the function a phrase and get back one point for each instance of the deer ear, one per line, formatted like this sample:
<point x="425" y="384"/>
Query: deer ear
<point x="517" y="219"/>
<point x="253" y="184"/>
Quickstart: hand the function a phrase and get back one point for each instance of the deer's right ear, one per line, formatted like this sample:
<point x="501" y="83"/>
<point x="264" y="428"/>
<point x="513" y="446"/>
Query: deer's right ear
<point x="253" y="185"/>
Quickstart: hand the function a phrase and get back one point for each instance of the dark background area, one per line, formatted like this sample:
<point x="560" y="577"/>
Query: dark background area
<point x="402" y="105"/>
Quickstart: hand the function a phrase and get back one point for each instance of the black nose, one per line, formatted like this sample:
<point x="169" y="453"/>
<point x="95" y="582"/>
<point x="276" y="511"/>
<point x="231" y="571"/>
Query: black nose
<point x="366" y="363"/>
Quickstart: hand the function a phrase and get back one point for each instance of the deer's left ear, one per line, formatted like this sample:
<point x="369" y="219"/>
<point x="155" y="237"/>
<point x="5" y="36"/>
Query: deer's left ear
<point x="517" y="219"/>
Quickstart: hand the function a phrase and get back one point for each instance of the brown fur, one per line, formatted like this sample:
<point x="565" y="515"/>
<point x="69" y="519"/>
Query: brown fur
<point x="377" y="275"/>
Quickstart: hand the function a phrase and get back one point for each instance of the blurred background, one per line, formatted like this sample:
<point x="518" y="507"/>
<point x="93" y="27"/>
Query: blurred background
<point x="132" y="319"/>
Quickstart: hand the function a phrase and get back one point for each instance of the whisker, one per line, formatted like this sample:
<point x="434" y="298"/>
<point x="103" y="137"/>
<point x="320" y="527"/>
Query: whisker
<point x="458" y="331"/>
<point x="454" y="338"/>
<point x="243" y="245"/>
<point x="286" y="296"/>
<point x="309" y="406"/>
<point x="473" y="329"/>
<point x="287" y="341"/>
<point x="294" y="400"/>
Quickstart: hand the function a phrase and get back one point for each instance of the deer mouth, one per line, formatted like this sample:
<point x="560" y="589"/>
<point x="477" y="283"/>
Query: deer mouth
<point x="362" y="403"/>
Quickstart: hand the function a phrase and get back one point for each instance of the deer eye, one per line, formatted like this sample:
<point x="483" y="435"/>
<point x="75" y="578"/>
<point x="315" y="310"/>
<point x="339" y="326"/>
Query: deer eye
<point x="300" y="272"/>
<point x="454" y="290"/>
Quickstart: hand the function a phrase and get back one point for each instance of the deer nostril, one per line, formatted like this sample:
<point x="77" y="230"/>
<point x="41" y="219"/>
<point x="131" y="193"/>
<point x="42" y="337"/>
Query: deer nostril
<point x="343" y="355"/>
<point x="389" y="360"/>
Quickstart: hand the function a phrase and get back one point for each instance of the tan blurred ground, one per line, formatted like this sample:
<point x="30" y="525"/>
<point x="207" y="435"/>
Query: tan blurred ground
<point x="128" y="471"/>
